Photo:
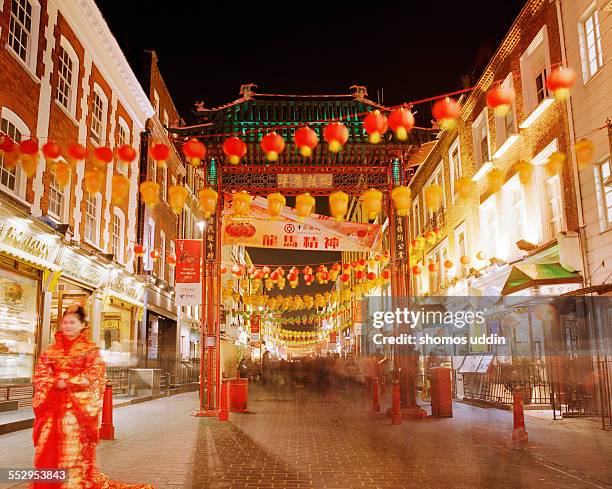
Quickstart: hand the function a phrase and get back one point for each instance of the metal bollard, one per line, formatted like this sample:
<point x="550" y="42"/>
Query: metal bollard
<point x="107" y="430"/>
<point x="519" y="435"/>
<point x="396" y="414"/>
<point x="223" y="405"/>
<point x="375" y="396"/>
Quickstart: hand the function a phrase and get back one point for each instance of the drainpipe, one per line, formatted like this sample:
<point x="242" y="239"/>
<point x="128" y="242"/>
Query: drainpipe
<point x="581" y="225"/>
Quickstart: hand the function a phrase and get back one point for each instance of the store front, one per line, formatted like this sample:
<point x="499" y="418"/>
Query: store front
<point x="162" y="341"/>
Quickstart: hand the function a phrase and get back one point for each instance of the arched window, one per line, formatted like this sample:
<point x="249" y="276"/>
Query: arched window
<point x="12" y="178"/>
<point x="67" y="76"/>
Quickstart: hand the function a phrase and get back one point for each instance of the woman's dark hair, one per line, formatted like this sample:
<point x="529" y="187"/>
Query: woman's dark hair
<point x="78" y="310"/>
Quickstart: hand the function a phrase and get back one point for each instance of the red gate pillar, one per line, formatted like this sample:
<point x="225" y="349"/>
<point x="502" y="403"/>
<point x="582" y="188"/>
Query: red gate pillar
<point x="519" y="435"/>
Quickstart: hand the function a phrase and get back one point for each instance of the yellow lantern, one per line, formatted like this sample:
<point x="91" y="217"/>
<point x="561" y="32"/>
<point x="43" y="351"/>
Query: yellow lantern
<point x="62" y="173"/>
<point x="93" y="181"/>
<point x="208" y="201"/>
<point x="276" y="202"/>
<point x="149" y="192"/>
<point x="433" y="197"/>
<point x="120" y="189"/>
<point x="371" y="203"/>
<point x="464" y="186"/>
<point x="555" y="163"/>
<point x="584" y="151"/>
<point x="241" y="203"/>
<point x="338" y="205"/>
<point x="495" y="178"/>
<point x="401" y="200"/>
<point x="177" y="195"/>
<point x="304" y="204"/>
<point x="525" y="171"/>
<point x="29" y="164"/>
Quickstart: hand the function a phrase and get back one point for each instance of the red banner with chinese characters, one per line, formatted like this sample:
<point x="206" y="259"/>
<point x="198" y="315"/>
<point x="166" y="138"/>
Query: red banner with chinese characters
<point x="188" y="276"/>
<point x="333" y="337"/>
<point x="288" y="231"/>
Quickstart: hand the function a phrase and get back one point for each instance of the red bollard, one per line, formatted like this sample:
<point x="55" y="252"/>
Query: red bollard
<point x="519" y="435"/>
<point x="223" y="405"/>
<point x="107" y="430"/>
<point x="375" y="396"/>
<point x="396" y="413"/>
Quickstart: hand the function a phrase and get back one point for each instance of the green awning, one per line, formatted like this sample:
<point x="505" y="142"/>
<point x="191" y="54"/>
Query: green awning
<point x="526" y="275"/>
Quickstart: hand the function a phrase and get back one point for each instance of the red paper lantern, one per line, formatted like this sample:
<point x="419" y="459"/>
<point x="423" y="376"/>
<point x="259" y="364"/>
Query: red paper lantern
<point x="272" y="144"/>
<point x="7" y="145"/>
<point x="325" y="276"/>
<point x="308" y="278"/>
<point x="237" y="270"/>
<point x="160" y="153"/>
<point x="560" y="81"/>
<point x="359" y="274"/>
<point x="432" y="267"/>
<point x="126" y="153"/>
<point x="345" y="277"/>
<point x="375" y="124"/>
<point x="306" y="140"/>
<point x="446" y="112"/>
<point x="371" y="276"/>
<point x="275" y="276"/>
<point x="448" y="264"/>
<point x="171" y="261"/>
<point x="401" y="122"/>
<point x="139" y="250"/>
<point x="103" y="154"/>
<point x="51" y="150"/>
<point x="28" y="147"/>
<point x="155" y="254"/>
<point x="223" y="269"/>
<point x="336" y="135"/>
<point x="500" y="99"/>
<point x="416" y="270"/>
<point x="346" y="266"/>
<point x="235" y="149"/>
<point x="77" y="151"/>
<point x="307" y="270"/>
<point x="194" y="151"/>
<point x="386" y="274"/>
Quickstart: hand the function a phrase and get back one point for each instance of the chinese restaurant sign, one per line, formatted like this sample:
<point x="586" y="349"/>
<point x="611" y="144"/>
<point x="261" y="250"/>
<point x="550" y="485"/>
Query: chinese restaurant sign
<point x="401" y="247"/>
<point x="188" y="282"/>
<point x="316" y="232"/>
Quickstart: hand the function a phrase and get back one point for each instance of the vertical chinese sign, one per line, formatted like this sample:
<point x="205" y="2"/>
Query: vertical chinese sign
<point x="255" y="324"/>
<point x="400" y="238"/>
<point x="188" y="284"/>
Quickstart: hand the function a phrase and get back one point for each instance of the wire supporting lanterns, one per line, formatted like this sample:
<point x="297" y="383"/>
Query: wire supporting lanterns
<point x="77" y="152"/>
<point x="159" y="152"/>
<point x="120" y="189"/>
<point x="500" y="99"/>
<point x="401" y="200"/>
<point x="93" y="181"/>
<point x="194" y="151"/>
<point x="525" y="171"/>
<point x="338" y="205"/>
<point x="371" y="203"/>
<point x="208" y="198"/>
<point x="276" y="202"/>
<point x="51" y="150"/>
<point x="62" y="173"/>
<point x="336" y="135"/>
<point x="584" y="151"/>
<point x="401" y="122"/>
<point x="433" y="197"/>
<point x="555" y="163"/>
<point x="272" y="145"/>
<point x="241" y="204"/>
<point x="149" y="191"/>
<point x="375" y="124"/>
<point x="235" y="149"/>
<point x="126" y="153"/>
<point x="306" y="140"/>
<point x="464" y="186"/>
<point x="446" y="112"/>
<point x="177" y="196"/>
<point x="560" y="81"/>
<point x="304" y="205"/>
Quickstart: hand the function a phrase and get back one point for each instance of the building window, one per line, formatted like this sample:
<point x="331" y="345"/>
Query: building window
<point x="20" y="29"/>
<point x="12" y="178"/>
<point x="535" y="64"/>
<point x="123" y="138"/>
<point x="604" y="193"/>
<point x="437" y="257"/>
<point x="164" y="183"/>
<point x="98" y="115"/>
<point x="166" y="121"/>
<point x="68" y="73"/>
<point x="92" y="218"/>
<point x="480" y="136"/>
<point x="438" y="179"/>
<point x="553" y="205"/>
<point x="461" y="250"/>
<point x="454" y="160"/>
<point x="56" y="198"/>
<point x="488" y="226"/>
<point x="150" y="244"/>
<point x="156" y="102"/>
<point x="162" y="255"/>
<point x="590" y="44"/>
<point x="506" y="126"/>
<point x="514" y="205"/>
<point x="118" y="235"/>
<point x="416" y="218"/>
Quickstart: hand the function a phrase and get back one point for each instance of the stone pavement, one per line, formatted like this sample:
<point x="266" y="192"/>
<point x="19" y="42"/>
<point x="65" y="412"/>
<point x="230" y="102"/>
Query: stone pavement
<point x="300" y="440"/>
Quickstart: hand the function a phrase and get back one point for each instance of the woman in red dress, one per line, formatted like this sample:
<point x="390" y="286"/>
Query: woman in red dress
<point x="69" y="384"/>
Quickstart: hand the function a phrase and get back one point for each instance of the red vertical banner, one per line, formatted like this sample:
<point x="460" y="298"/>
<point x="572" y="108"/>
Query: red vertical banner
<point x="188" y="274"/>
<point x="333" y="337"/>
<point x="255" y="324"/>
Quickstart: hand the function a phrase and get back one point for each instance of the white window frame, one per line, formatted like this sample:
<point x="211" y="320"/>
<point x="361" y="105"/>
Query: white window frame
<point x="501" y="133"/>
<point x="118" y="217"/>
<point x="74" y="82"/>
<point x="21" y="178"/>
<point x="587" y="67"/>
<point x="460" y="270"/>
<point x="122" y="127"/>
<point x="98" y="219"/>
<point x="62" y="217"/>
<point x="150" y="244"/>
<point x="512" y="232"/>
<point x="454" y="175"/>
<point x="162" y="255"/>
<point x="483" y="118"/>
<point x="556" y="179"/>
<point x="605" y="218"/>
<point x="97" y="90"/>
<point x="156" y="102"/>
<point x="528" y="74"/>
<point x="437" y="177"/>
<point x="489" y="236"/>
<point x="32" y="48"/>
<point x="166" y="121"/>
<point x="437" y="255"/>
<point x="416" y="217"/>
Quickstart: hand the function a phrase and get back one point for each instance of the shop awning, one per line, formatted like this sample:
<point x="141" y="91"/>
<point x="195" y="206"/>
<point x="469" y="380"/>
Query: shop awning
<point x="125" y="298"/>
<point x="526" y="275"/>
<point x="27" y="258"/>
<point x="594" y="289"/>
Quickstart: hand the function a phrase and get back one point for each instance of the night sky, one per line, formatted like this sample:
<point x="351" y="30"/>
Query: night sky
<point x="410" y="50"/>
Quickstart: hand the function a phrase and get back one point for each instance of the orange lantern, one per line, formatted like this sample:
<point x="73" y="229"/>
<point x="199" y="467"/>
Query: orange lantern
<point x="446" y="112"/>
<point x="272" y="145"/>
<point x="465" y="260"/>
<point x="584" y="151"/>
<point x="93" y="181"/>
<point x="62" y="173"/>
<point x="120" y="189"/>
<point x="448" y="264"/>
<point x="241" y="204"/>
<point x="149" y="192"/>
<point x="560" y="81"/>
<point x="432" y="267"/>
<point x="433" y="197"/>
<point x="481" y="256"/>
<point x="208" y="198"/>
<point x="401" y="200"/>
<point x="500" y="99"/>
<point x="555" y="163"/>
<point x="306" y="140"/>
<point x="375" y="124"/>
<point x="29" y="164"/>
<point x="525" y="171"/>
<point x="276" y="202"/>
<point x="338" y="205"/>
<point x="155" y="254"/>
<point x="496" y="179"/>
<point x="371" y="203"/>
<point x="304" y="205"/>
<point x="401" y="122"/>
<point x="416" y="270"/>
<point x="235" y="149"/>
<point x="336" y="135"/>
<point x="464" y="186"/>
<point x="171" y="261"/>
<point x="177" y="195"/>
<point x="194" y="151"/>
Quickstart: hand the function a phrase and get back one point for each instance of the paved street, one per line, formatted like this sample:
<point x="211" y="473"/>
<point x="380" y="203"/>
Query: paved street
<point x="298" y="440"/>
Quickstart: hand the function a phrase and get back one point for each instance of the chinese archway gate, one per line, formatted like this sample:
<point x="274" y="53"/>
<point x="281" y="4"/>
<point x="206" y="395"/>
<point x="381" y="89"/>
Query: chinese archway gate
<point x="359" y="166"/>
